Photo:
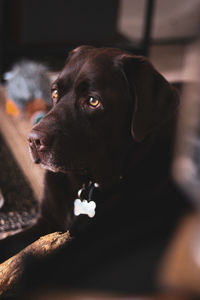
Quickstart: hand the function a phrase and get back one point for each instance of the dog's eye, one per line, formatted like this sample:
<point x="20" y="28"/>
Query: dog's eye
<point x="93" y="102"/>
<point x="55" y="95"/>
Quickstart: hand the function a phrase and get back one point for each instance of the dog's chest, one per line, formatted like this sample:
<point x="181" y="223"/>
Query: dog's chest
<point x="115" y="209"/>
<point x="139" y="204"/>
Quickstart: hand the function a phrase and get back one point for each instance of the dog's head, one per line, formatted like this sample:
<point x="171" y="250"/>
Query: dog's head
<point x="103" y="100"/>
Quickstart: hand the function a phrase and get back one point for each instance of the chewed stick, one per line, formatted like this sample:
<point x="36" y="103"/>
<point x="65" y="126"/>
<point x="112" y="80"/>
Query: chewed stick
<point x="12" y="269"/>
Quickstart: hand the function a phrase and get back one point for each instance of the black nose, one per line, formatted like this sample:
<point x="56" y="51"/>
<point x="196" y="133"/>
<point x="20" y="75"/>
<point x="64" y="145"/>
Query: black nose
<point x="38" y="140"/>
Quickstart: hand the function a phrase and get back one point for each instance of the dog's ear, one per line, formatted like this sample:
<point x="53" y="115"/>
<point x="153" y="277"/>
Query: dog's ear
<point x="155" y="99"/>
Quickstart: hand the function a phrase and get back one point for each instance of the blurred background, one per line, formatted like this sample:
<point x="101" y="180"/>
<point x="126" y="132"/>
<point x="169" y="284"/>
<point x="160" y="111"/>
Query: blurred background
<point x="35" y="38"/>
<point x="47" y="30"/>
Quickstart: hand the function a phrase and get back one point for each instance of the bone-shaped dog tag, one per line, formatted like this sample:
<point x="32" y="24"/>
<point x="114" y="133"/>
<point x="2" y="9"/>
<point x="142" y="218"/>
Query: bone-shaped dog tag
<point x="84" y="207"/>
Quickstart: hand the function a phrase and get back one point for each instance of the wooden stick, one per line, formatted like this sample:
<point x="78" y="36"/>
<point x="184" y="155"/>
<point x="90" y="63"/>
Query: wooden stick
<point x="12" y="269"/>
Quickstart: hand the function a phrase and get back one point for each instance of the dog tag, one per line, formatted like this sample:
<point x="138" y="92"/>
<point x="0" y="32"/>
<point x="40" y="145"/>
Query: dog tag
<point x="84" y="207"/>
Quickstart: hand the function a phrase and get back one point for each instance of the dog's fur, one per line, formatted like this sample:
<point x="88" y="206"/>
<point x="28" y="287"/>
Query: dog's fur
<point x="125" y="145"/>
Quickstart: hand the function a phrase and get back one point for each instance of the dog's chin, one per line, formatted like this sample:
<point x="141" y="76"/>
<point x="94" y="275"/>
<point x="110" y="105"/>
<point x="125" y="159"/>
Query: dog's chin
<point x="63" y="169"/>
<point x="53" y="168"/>
<point x="56" y="165"/>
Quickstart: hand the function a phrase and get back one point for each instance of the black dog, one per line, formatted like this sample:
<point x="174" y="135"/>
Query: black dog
<point x="110" y="132"/>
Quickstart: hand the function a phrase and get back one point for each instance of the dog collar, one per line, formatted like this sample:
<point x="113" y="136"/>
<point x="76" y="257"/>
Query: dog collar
<point x="81" y="204"/>
<point x="85" y="203"/>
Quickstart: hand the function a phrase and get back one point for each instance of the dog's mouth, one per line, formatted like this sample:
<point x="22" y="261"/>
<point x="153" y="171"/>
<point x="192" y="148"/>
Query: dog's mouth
<point x="48" y="160"/>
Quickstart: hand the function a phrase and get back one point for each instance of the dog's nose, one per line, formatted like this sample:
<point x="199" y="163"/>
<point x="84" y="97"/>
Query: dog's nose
<point x="38" y="140"/>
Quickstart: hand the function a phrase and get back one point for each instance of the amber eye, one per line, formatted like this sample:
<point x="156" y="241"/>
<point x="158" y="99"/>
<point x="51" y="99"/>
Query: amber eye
<point x="93" y="102"/>
<point x="55" y="95"/>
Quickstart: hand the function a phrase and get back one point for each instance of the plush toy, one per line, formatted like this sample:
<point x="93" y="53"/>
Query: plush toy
<point x="28" y="90"/>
